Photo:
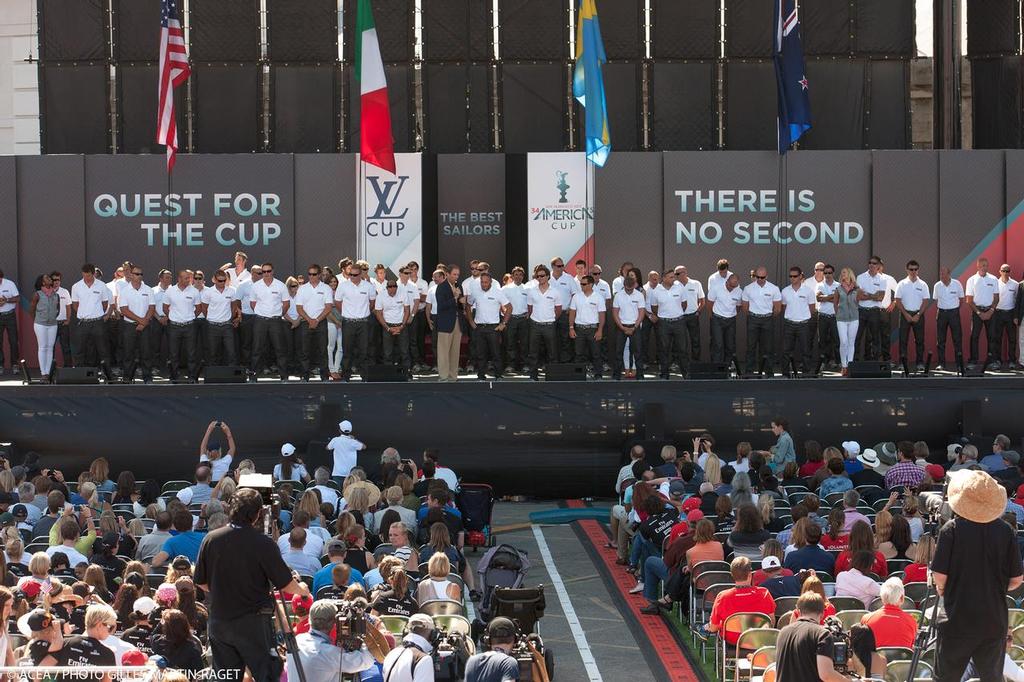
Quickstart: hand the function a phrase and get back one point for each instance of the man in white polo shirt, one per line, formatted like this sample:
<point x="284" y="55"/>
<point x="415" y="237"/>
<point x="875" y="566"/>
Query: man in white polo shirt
<point x="1008" y="293"/>
<point x="565" y="285"/>
<point x="761" y="303"/>
<point x="90" y="298"/>
<point x="181" y="303"/>
<point x="725" y="304"/>
<point x="912" y="301"/>
<point x="720" y="277"/>
<point x="488" y="318"/>
<point x="9" y="321"/>
<point x="871" y="290"/>
<point x="544" y="304"/>
<point x="223" y="312"/>
<point x="982" y="297"/>
<point x="888" y="306"/>
<point x="392" y="309"/>
<point x="628" y="311"/>
<point x="138" y="307"/>
<point x="797" y="311"/>
<point x="245" y="327"/>
<point x="314" y="302"/>
<point x="269" y="301"/>
<point x="586" y="324"/>
<point x="948" y="294"/>
<point x="693" y="292"/>
<point x="354" y="300"/>
<point x="667" y="302"/>
<point x="517" y="330"/>
<point x="826" y="296"/>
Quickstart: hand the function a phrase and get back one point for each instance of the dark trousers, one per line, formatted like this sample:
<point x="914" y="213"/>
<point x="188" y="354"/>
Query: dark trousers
<point x="314" y="349"/>
<point x="246" y="642"/>
<point x="355" y="342"/>
<point x="651" y="341"/>
<point x="245" y="334"/>
<point x="869" y="332"/>
<point x="487" y="340"/>
<point x="947" y="322"/>
<point x="64" y="341"/>
<point x="202" y="357"/>
<point x="293" y="346"/>
<point x="587" y="348"/>
<point x="563" y="345"/>
<point x="542" y="334"/>
<point x="636" y="351"/>
<point x="989" y="325"/>
<point x="723" y="338"/>
<point x="517" y="342"/>
<point x="220" y="344"/>
<point x="433" y="340"/>
<point x="956" y="648"/>
<point x="114" y="339"/>
<point x="672" y="343"/>
<point x="91" y="335"/>
<point x="828" y="339"/>
<point x="136" y="351"/>
<point x="9" y="325"/>
<point x="795" y="339"/>
<point x="760" y="343"/>
<point x="182" y="336"/>
<point x="1005" y="326"/>
<point x="375" y="342"/>
<point x="269" y="331"/>
<point x="693" y="332"/>
<point x="917" y="329"/>
<point x="417" y="337"/>
<point x="885" y="335"/>
<point x="395" y="347"/>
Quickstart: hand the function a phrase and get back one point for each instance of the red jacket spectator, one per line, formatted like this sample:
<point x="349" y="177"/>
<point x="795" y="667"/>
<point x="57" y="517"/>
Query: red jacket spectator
<point x="879" y="568"/>
<point x="744" y="598"/>
<point x="892" y="626"/>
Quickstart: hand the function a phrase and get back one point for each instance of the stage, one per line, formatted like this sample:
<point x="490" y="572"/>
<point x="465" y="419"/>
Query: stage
<point x="547" y="439"/>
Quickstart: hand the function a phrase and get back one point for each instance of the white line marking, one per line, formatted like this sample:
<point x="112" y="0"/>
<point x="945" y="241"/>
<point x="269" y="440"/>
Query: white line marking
<point x="593" y="674"/>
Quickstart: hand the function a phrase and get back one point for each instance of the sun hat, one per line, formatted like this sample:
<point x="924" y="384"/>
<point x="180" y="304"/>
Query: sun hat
<point x="869" y="458"/>
<point x="976" y="496"/>
<point x="372" y="491"/>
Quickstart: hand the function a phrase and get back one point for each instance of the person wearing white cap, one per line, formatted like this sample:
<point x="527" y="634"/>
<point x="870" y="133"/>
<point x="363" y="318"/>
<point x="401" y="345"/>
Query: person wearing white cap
<point x="344" y="448"/>
<point x="851" y="449"/>
<point x="406" y="663"/>
<point x="290" y="468"/>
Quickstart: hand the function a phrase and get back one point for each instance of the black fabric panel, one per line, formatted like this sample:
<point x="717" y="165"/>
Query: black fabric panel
<point x="748" y="28"/>
<point x="533" y="106"/>
<point x="226" y="108"/>
<point x="622" y="94"/>
<point x="997" y="102"/>
<point x="457" y="30"/>
<point x="837" y="104"/>
<point x="74" y="109"/>
<point x="825" y="26"/>
<point x="305" y="108"/>
<point x="886" y="27"/>
<point x="456" y="102"/>
<point x="683" y="106"/>
<point x="72" y="29"/>
<point x="224" y="30"/>
<point x="302" y="30"/>
<point x="751" y="112"/>
<point x="622" y="28"/>
<point x="993" y="27"/>
<point x="400" y="93"/>
<point x="534" y="29"/>
<point x="137" y="29"/>
<point x="137" y="107"/>
<point x="393" y="20"/>
<point x="684" y="30"/>
<point x="889" y="105"/>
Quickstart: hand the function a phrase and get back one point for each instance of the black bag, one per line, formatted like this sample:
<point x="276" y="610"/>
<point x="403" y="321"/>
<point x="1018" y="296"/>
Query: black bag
<point x="677" y="585"/>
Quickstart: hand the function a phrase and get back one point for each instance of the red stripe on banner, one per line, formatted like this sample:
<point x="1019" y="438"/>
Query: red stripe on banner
<point x="586" y="252"/>
<point x="654" y="627"/>
<point x="377" y="145"/>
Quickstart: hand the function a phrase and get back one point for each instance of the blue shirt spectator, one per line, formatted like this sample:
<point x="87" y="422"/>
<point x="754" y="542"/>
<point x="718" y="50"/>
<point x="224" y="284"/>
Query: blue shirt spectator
<point x="993" y="462"/>
<point x="184" y="544"/>
<point x="811" y="556"/>
<point x="837" y="482"/>
<point x="322" y="578"/>
<point x="1017" y="510"/>
<point x="784" y="450"/>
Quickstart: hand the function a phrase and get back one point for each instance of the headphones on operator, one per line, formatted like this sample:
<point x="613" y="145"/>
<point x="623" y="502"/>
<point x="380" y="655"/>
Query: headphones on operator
<point x="500" y="628"/>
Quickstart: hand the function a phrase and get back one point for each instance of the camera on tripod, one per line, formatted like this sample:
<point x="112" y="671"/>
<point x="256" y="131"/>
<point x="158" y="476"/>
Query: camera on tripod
<point x="451" y="652"/>
<point x="522" y="651"/>
<point x="264" y="485"/>
<point x="841" y="644"/>
<point x="351" y="623"/>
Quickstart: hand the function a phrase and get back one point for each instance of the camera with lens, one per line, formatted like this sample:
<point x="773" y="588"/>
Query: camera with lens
<point x="451" y="652"/>
<point x="841" y="644"/>
<point x="523" y="653"/>
<point x="351" y="623"/>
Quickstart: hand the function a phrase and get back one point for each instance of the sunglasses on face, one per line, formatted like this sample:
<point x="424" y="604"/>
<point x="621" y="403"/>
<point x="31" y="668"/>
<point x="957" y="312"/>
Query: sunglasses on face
<point x="293" y="286"/>
<point x="819" y="269"/>
<point x="392" y="286"/>
<point x="791" y="277"/>
<point x="267" y="272"/>
<point x="542" y="276"/>
<point x="199" y="277"/>
<point x="761" y="276"/>
<point x="830" y="272"/>
<point x="314" y="274"/>
<point x="912" y="269"/>
<point x="221" y="281"/>
<point x="137" y="274"/>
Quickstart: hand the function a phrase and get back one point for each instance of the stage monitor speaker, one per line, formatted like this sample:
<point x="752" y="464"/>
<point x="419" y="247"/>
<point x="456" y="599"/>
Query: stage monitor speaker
<point x="379" y="373"/>
<point x="654" y="421"/>
<point x="224" y="374"/>
<point x="870" y="369"/>
<point x="77" y="375"/>
<point x="709" y="370"/>
<point x="565" y="371"/>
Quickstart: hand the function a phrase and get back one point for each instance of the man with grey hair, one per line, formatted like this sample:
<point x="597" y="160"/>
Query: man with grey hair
<point x="851" y="498"/>
<point x="390" y="456"/>
<point x="406" y="663"/>
<point x="891" y="625"/>
<point x="996" y="461"/>
<point x="967" y="458"/>
<point x="321" y="660"/>
<point x="27" y="493"/>
<point x="217" y="520"/>
<point x="327" y="494"/>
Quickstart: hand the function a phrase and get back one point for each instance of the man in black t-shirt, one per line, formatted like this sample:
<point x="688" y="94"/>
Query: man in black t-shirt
<point x="495" y="665"/>
<point x="804" y="648"/>
<point x="51" y="649"/>
<point x="238" y="566"/>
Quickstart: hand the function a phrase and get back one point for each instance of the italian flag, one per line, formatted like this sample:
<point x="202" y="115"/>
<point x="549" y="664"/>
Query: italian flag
<point x="376" y="143"/>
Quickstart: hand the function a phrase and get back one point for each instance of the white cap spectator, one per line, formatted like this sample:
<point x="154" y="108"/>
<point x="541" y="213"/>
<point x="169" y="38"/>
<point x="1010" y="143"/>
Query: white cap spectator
<point x="185" y="496"/>
<point x="287" y="450"/>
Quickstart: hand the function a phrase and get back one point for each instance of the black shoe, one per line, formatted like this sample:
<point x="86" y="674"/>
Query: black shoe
<point x="665" y="377"/>
<point x="534" y="376"/>
<point x="481" y="377"/>
<point x="639" y="375"/>
<point x="147" y="380"/>
<point x="617" y="376"/>
<point x="652" y="609"/>
<point x="597" y="375"/>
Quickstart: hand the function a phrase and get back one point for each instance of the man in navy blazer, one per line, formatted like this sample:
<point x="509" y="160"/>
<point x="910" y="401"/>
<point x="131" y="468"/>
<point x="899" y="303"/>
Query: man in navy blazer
<point x="449" y="331"/>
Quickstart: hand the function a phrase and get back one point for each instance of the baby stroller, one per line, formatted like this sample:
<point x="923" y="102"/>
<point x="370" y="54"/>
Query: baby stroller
<point x="476" y="501"/>
<point x="503" y="566"/>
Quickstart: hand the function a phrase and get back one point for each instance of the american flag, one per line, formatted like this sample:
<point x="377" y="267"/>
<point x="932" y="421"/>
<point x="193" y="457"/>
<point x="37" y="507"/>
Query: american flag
<point x="174" y="70"/>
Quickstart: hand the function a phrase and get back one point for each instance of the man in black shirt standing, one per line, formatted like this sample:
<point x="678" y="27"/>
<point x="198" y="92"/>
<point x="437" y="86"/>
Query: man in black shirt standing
<point x="804" y="650"/>
<point x="976" y="563"/>
<point x="238" y="566"/>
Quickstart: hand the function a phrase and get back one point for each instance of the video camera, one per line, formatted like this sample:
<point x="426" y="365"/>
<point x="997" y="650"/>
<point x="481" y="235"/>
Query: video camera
<point x="451" y="652"/>
<point x="351" y="623"/>
<point x="264" y="485"/>
<point x="522" y="651"/>
<point x="841" y="644"/>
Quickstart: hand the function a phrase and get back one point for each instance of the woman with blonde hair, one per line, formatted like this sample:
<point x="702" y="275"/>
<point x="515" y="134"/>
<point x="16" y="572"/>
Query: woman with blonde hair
<point x="7" y="480"/>
<point x="713" y="470"/>
<point x="87" y="491"/>
<point x="99" y="469"/>
<point x="766" y="505"/>
<point x="437" y="585"/>
<point x="224" y="490"/>
<point x="883" y="527"/>
<point x="798" y="536"/>
<point x="917" y="572"/>
<point x="310" y="503"/>
<point x="14" y="548"/>
<point x="813" y="584"/>
<point x="847" y="317"/>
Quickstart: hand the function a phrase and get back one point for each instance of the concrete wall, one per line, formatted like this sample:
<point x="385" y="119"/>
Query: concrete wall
<point x="19" y="89"/>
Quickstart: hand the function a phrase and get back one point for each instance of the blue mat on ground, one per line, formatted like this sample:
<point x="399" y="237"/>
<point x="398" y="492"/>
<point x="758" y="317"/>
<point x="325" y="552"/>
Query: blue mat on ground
<point x="554" y="516"/>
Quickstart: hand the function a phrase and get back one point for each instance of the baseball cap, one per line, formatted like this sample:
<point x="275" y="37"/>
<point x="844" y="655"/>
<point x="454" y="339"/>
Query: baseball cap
<point x="135" y="579"/>
<point x="936" y="472"/>
<point x="422" y="620"/>
<point x="181" y="563"/>
<point x="953" y="451"/>
<point x="185" y="496"/>
<point x="770" y="562"/>
<point x="677" y="488"/>
<point x="29" y="587"/>
<point x="695" y="515"/>
<point x="336" y="547"/>
<point x="35" y="620"/>
<point x="501" y="628"/>
<point x="1011" y="456"/>
<point x="19" y="511"/>
<point x="7" y="519"/>
<point x="301" y="602"/>
<point x="287" y="450"/>
<point x="133" y="657"/>
<point x="691" y="503"/>
<point x="345" y="426"/>
<point x="852" y="447"/>
<point x="144" y="605"/>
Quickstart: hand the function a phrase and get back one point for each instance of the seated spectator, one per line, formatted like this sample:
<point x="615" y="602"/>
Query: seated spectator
<point x="393" y="498"/>
<point x="195" y="613"/>
<point x="379" y="576"/>
<point x="891" y="625"/>
<point x="183" y="541"/>
<point x="441" y="472"/>
<point x="912" y="513"/>
<point x="713" y="472"/>
<point x="708" y="498"/>
<point x="55" y="502"/>
<point x="865" y="661"/>
<point x="106" y="560"/>
<point x="356" y="554"/>
<point x="900" y="545"/>
<point x="836" y="537"/>
<point x="400" y="539"/>
<point x="743" y="598"/>
<point x="791" y="475"/>
<point x="295" y="558"/>
<point x="798" y="511"/>
<point x="838" y="481"/>
<point x="651" y="535"/>
<point x="724" y="520"/>
<point x="153" y="542"/>
<point x="728" y="476"/>
<point x="775" y="582"/>
<point x="328" y="495"/>
<point x="748" y="534"/>
<point x="742" y="462"/>
<point x="336" y="553"/>
<point x="409" y="498"/>
<point x="395" y="600"/>
<point x="668" y="467"/>
<point x="440" y="541"/>
<point x="742" y="491"/>
<point x="314" y="541"/>
<point x="883" y="526"/>
<point x="813" y="584"/>
<point x="814" y="459"/>
<point x="177" y="644"/>
<point x="427" y="476"/>
<point x="441" y="499"/>
<point x="811" y="556"/>
<point x="770" y="548"/>
<point x="657" y="569"/>
<point x="70" y="534"/>
<point x="814" y="482"/>
<point x="690" y="476"/>
<point x="905" y="472"/>
<point x="851" y="451"/>
<point x="798" y="536"/>
<point x="813" y="504"/>
<point x="851" y="499"/>
<point x="705" y="547"/>
<point x="26" y="495"/>
<point x="862" y="540"/>
<point x="290" y="468"/>
<point x="201" y="491"/>
<point x="437" y="585"/>
<point x="917" y="572"/>
<point x="766" y="504"/>
<point x="857" y="581"/>
<point x="141" y="628"/>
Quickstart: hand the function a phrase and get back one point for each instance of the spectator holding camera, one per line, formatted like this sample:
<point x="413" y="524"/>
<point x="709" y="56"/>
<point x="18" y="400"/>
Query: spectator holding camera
<point x="210" y="452"/>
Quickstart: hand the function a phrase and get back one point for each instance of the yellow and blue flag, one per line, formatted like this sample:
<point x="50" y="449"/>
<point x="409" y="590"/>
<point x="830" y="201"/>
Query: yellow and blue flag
<point x="588" y="84"/>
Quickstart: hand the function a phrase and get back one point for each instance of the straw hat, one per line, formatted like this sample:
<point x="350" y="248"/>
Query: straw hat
<point x="372" y="491"/>
<point x="976" y="496"/>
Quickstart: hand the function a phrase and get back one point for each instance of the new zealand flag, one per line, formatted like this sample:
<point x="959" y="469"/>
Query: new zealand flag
<point x="790" y="77"/>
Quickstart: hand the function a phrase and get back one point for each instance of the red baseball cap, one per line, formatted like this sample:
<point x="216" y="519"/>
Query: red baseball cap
<point x="133" y="657"/>
<point x="695" y="516"/>
<point x="300" y="602"/>
<point x="935" y="471"/>
<point x="691" y="503"/>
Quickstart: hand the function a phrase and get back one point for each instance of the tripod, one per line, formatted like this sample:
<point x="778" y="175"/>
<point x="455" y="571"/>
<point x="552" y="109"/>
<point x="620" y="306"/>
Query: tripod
<point x="927" y="636"/>
<point x="288" y="634"/>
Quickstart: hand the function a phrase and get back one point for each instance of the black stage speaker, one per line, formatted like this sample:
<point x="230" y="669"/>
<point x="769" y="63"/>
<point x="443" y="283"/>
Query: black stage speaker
<point x="869" y="369"/>
<point x="224" y="374"/>
<point x="709" y="370"/>
<point x="77" y="375"/>
<point x="565" y="371"/>
<point x="385" y="373"/>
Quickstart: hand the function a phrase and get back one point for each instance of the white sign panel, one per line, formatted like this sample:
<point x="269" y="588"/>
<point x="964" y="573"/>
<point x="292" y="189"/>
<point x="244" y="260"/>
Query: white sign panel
<point x="560" y="192"/>
<point x="391" y="213"/>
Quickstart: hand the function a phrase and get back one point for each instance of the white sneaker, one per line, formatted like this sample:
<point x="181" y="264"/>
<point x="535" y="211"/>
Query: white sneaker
<point x="638" y="589"/>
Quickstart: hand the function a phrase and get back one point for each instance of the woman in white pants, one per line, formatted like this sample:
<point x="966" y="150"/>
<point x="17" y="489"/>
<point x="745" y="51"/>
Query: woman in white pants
<point x="334" y="337"/>
<point x="847" y="317"/>
<point x="44" y="309"/>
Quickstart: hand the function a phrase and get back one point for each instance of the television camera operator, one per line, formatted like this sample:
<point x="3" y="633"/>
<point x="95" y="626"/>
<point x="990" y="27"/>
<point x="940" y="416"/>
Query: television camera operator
<point x="238" y="566"/>
<point x="321" y="660"/>
<point x="412" y="661"/>
<point x="496" y="665"/>
<point x="806" y="651"/>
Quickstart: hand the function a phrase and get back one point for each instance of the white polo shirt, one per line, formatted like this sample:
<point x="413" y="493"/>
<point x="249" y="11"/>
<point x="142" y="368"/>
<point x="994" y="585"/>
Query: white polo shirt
<point x="984" y="289"/>
<point x="1007" y="294"/>
<point x="269" y="298"/>
<point x="826" y="289"/>
<point x="669" y="301"/>
<point x="236" y="280"/>
<point x="716" y="281"/>
<point x="218" y="302"/>
<point x="760" y="298"/>
<point x="90" y="299"/>
<point x="379" y="285"/>
<point x="413" y="293"/>
<point x="314" y="299"/>
<point x="244" y="293"/>
<point x="392" y="307"/>
<point x="158" y="297"/>
<point x="948" y="296"/>
<point x="693" y="292"/>
<point x="516" y="295"/>
<point x="182" y="303"/>
<point x="912" y="293"/>
<point x="566" y="286"/>
<point x="725" y="303"/>
<point x="356" y="300"/>
<point x="870" y="284"/>
<point x="432" y="298"/>
<point x="798" y="303"/>
<point x="604" y="288"/>
<point x="647" y="295"/>
<point x="8" y="290"/>
<point x="628" y="305"/>
<point x="543" y="303"/>
<point x="487" y="305"/>
<point x="890" y="289"/>
<point x="65" y="300"/>
<point x="588" y="308"/>
<point x="138" y="301"/>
